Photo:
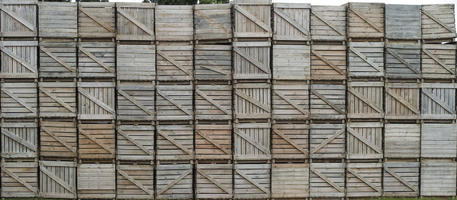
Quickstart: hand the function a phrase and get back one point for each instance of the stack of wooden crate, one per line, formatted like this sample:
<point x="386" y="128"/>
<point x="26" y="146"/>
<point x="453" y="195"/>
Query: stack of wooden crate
<point x="252" y="98"/>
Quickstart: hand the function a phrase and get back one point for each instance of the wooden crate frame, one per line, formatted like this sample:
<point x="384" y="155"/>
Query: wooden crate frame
<point x="19" y="100"/>
<point x="438" y="101"/>
<point x="366" y="59"/>
<point x="328" y="100"/>
<point x="174" y="102"/>
<point x="365" y="20"/>
<point x="328" y="61"/>
<point x="401" y="178"/>
<point x="403" y="60"/>
<point x="365" y="99"/>
<point x="328" y="23"/>
<point x="252" y="19"/>
<point x="327" y="179"/>
<point x="96" y="181"/>
<point x="438" y="61"/>
<point x="174" y="23"/>
<point x="135" y="141"/>
<point x="93" y="107"/>
<point x="135" y="181"/>
<point x="96" y="20"/>
<point x="57" y="179"/>
<point x="328" y="140"/>
<point x="96" y="59"/>
<point x="290" y="180"/>
<point x="290" y="140"/>
<point x="291" y="22"/>
<point x="135" y="100"/>
<point x="13" y="21"/>
<point x="251" y="141"/>
<point x="96" y="140"/>
<point x="402" y="140"/>
<point x="57" y="99"/>
<point x="290" y="100"/>
<point x="214" y="181"/>
<point x="65" y="26"/>
<point x="402" y="101"/>
<point x="175" y="61"/>
<point x="251" y="60"/>
<point x="213" y="141"/>
<point x="438" y="21"/>
<point x="291" y="62"/>
<point x="439" y="140"/>
<point x="252" y="101"/>
<point x="57" y="58"/>
<point x="174" y="181"/>
<point x="19" y="59"/>
<point x="363" y="179"/>
<point x="135" y="21"/>
<point x="213" y="62"/>
<point x="58" y="138"/>
<point x="19" y="179"/>
<point x="365" y="140"/>
<point x="213" y="22"/>
<point x="136" y="62"/>
<point x="438" y="177"/>
<point x="252" y="181"/>
<point x="403" y="21"/>
<point x="19" y="139"/>
<point x="175" y="142"/>
<point x="213" y="102"/>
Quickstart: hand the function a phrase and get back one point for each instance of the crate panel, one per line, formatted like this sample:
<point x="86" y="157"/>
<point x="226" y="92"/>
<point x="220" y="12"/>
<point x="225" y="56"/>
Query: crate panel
<point x="213" y="22"/>
<point x="174" y="181"/>
<point x="252" y="19"/>
<point x="57" y="58"/>
<point x="438" y="177"/>
<point x="213" y="62"/>
<point x="439" y="141"/>
<point x="403" y="21"/>
<point x="327" y="141"/>
<point x="252" y="101"/>
<point x="135" y="141"/>
<point x="174" y="23"/>
<point x="328" y="101"/>
<point x="58" y="179"/>
<point x="438" y="61"/>
<point x="96" y="181"/>
<point x="135" y="21"/>
<point x="96" y="20"/>
<point x="214" y="181"/>
<point x="213" y="141"/>
<point x="365" y="99"/>
<point x="252" y="181"/>
<point x="19" y="179"/>
<point x="365" y="20"/>
<point x="402" y="141"/>
<point x="136" y="62"/>
<point x="174" y="102"/>
<point x="291" y="21"/>
<point x="251" y="60"/>
<point x="18" y="18"/>
<point x="438" y="21"/>
<point x="363" y="179"/>
<point x="174" y="61"/>
<point x="96" y="100"/>
<point x="290" y="140"/>
<point x="19" y="59"/>
<point x="290" y="180"/>
<point x="213" y="102"/>
<point x="175" y="142"/>
<point x="96" y="140"/>
<point x="328" y="23"/>
<point x="96" y="59"/>
<point x="64" y="26"/>
<point x="290" y="100"/>
<point x="402" y="101"/>
<point x="327" y="180"/>
<point x="19" y="139"/>
<point x="135" y="181"/>
<point x="252" y="141"/>
<point x="19" y="100"/>
<point x="401" y="178"/>
<point x="291" y="62"/>
<point x="58" y="138"/>
<point x="438" y="101"/>
<point x="135" y="100"/>
<point x="403" y="60"/>
<point x="57" y="99"/>
<point x="366" y="59"/>
<point x="328" y="62"/>
<point x="364" y="140"/>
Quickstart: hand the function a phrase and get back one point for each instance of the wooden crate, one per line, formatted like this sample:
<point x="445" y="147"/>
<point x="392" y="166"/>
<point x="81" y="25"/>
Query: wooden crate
<point x="58" y="138"/>
<point x="174" y="23"/>
<point x="327" y="180"/>
<point x="252" y="18"/>
<point x="135" y="141"/>
<point x="64" y="26"/>
<point x="291" y="62"/>
<point x="18" y="59"/>
<point x="366" y="59"/>
<point x="364" y="140"/>
<point x="19" y="179"/>
<point x="96" y="20"/>
<point x="175" y="142"/>
<point x="403" y="60"/>
<point x="213" y="141"/>
<point x="251" y="60"/>
<point x="213" y="62"/>
<point x="213" y="22"/>
<point x="174" y="61"/>
<point x="252" y="181"/>
<point x="19" y="139"/>
<point x="135" y="21"/>
<point x="438" y="177"/>
<point x="328" y="100"/>
<point x="328" y="23"/>
<point x="96" y="140"/>
<point x="403" y="21"/>
<point x="363" y="179"/>
<point x="290" y="140"/>
<point x="213" y="102"/>
<point x="57" y="58"/>
<point x="291" y="21"/>
<point x="402" y="140"/>
<point x="135" y="181"/>
<point x="365" y="99"/>
<point x="365" y="20"/>
<point x="96" y="59"/>
<point x="174" y="181"/>
<point x="58" y="179"/>
<point x="290" y="180"/>
<point x="135" y="100"/>
<point x="57" y="99"/>
<point x="19" y="100"/>
<point x="252" y="141"/>
<point x="401" y="178"/>
<point x="136" y="62"/>
<point x="18" y="18"/>
<point x="290" y="100"/>
<point x="214" y="181"/>
<point x="438" y="21"/>
<point x="174" y="102"/>
<point x="328" y="61"/>
<point x="327" y="141"/>
<point x="438" y="61"/>
<point x="252" y="101"/>
<point x="96" y="181"/>
<point x="439" y="141"/>
<point x="96" y="100"/>
<point x="438" y="101"/>
<point x="402" y="101"/>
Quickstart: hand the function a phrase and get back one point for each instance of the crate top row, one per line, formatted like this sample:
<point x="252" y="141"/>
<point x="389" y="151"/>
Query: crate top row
<point x="252" y="19"/>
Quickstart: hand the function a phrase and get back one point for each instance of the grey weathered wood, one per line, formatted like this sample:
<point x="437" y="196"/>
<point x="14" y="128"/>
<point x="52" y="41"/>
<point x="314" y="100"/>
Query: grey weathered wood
<point x="290" y="180"/>
<point x="19" y="59"/>
<point x="252" y="19"/>
<point x="439" y="140"/>
<point x="252" y="180"/>
<point x="57" y="179"/>
<point x="402" y="101"/>
<point x="402" y="140"/>
<point x="214" y="181"/>
<point x="291" y="62"/>
<point x="18" y="18"/>
<point x="213" y="102"/>
<point x="135" y="141"/>
<point x="58" y="138"/>
<point x="63" y="26"/>
<point x="328" y="62"/>
<point x="363" y="179"/>
<point x="174" y="23"/>
<point x="174" y="102"/>
<point x="403" y="60"/>
<point x="438" y="61"/>
<point x="366" y="59"/>
<point x="175" y="142"/>
<point x="252" y="101"/>
<point x="135" y="100"/>
<point x="328" y="100"/>
<point x="96" y="59"/>
<point x="213" y="141"/>
<point x="135" y="181"/>
<point x="19" y="139"/>
<point x="19" y="179"/>
<point x="57" y="58"/>
<point x="251" y="141"/>
<point x="251" y="60"/>
<point x="213" y="62"/>
<point x="401" y="178"/>
<point x="96" y="140"/>
<point x="290" y="100"/>
<point x="328" y="23"/>
<point x="327" y="141"/>
<point x="438" y="177"/>
<point x="19" y="100"/>
<point x="96" y="20"/>
<point x="174" y="181"/>
<point x="96" y="100"/>
<point x="365" y="20"/>
<point x="365" y="99"/>
<point x="213" y="22"/>
<point x="438" y="21"/>
<point x="135" y="21"/>
<point x="327" y="180"/>
<point x="290" y="140"/>
<point x="57" y="99"/>
<point x="96" y="181"/>
<point x="174" y="61"/>
<point x="403" y="21"/>
<point x="291" y="21"/>
<point x="136" y="62"/>
<point x="364" y="140"/>
<point x="438" y="101"/>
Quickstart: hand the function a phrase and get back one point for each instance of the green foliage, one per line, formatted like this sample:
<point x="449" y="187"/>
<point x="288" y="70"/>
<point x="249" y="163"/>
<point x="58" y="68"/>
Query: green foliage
<point x="213" y="1"/>
<point x="176" y="2"/>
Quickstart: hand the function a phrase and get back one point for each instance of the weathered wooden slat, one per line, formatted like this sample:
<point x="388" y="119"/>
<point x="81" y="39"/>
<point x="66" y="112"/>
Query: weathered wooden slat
<point x="19" y="59"/>
<point x="252" y="21"/>
<point x="213" y="141"/>
<point x="57" y="179"/>
<point x="174" y="181"/>
<point x="291" y="62"/>
<point x="135" y="141"/>
<point x="438" y="177"/>
<point x="136" y="62"/>
<point x="364" y="179"/>
<point x="64" y="26"/>
<point x="327" y="179"/>
<point x="135" y="100"/>
<point x="291" y="22"/>
<point x="252" y="141"/>
<point x="365" y="99"/>
<point x="438" y="21"/>
<point x="290" y="180"/>
<point x="438" y="61"/>
<point x="403" y="21"/>
<point x="174" y="102"/>
<point x="96" y="141"/>
<point x="135" y="21"/>
<point x="402" y="141"/>
<point x="135" y="181"/>
<point x="401" y="178"/>
<point x="252" y="180"/>
<point x="212" y="22"/>
<point x="328" y="23"/>
<point x="213" y="62"/>
<point x="439" y="140"/>
<point x="438" y="101"/>
<point x="18" y="18"/>
<point x="57" y="58"/>
<point x="251" y="60"/>
<point x="174" y="23"/>
<point x="364" y="140"/>
<point x="96" y="181"/>
<point x="96" y="20"/>
<point x="366" y="20"/>
<point x="58" y="138"/>
<point x="175" y="142"/>
<point x="19" y="179"/>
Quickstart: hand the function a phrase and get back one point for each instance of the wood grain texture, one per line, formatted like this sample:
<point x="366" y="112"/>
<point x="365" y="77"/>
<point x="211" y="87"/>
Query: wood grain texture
<point x="135" y="181"/>
<point x="64" y="26"/>
<point x="328" y="23"/>
<point x="58" y="138"/>
<point x="402" y="101"/>
<point x="96" y="20"/>
<point x="365" y="99"/>
<point x="291" y="22"/>
<point x="19" y="59"/>
<point x="438" y="141"/>
<point x="213" y="22"/>
<point x="57" y="179"/>
<point x="291" y="62"/>
<point x="365" y="20"/>
<point x="402" y="140"/>
<point x="19" y="179"/>
<point x="290" y="100"/>
<point x="401" y="178"/>
<point x="136" y="62"/>
<point x="327" y="180"/>
<point x="252" y="181"/>
<point x="290" y="180"/>
<point x="251" y="60"/>
<point x="18" y="18"/>
<point x="135" y="100"/>
<point x="96" y="181"/>
<point x="174" y="181"/>
<point x="135" y="141"/>
<point x="214" y="181"/>
<point x="213" y="141"/>
<point x="438" y="21"/>
<point x="252" y="19"/>
<point x="290" y="140"/>
<point x="19" y="139"/>
<point x="364" y="179"/>
<point x="213" y="62"/>
<point x="135" y="21"/>
<point x="438" y="177"/>
<point x="174" y="23"/>
<point x="252" y="141"/>
<point x="403" y="21"/>
<point x="252" y="100"/>
<point x="328" y="62"/>
<point x="438" y="101"/>
<point x="19" y="100"/>
<point x="57" y="58"/>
